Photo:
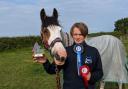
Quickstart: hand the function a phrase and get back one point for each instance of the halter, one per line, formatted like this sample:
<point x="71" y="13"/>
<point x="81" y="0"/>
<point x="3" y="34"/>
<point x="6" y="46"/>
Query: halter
<point x="54" y="41"/>
<point x="56" y="70"/>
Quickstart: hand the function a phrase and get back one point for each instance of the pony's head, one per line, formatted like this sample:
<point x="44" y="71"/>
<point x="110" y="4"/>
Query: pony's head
<point x="51" y="35"/>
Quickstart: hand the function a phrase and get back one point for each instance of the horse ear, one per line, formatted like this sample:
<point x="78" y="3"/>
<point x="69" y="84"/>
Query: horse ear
<point x="55" y="13"/>
<point x="42" y="14"/>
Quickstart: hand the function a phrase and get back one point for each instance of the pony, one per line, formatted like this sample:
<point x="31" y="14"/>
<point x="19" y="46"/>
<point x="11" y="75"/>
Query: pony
<point x="50" y="36"/>
<point x="111" y="49"/>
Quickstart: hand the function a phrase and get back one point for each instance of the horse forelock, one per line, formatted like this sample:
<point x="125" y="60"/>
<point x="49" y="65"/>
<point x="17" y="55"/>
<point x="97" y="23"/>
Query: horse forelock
<point x="50" y="21"/>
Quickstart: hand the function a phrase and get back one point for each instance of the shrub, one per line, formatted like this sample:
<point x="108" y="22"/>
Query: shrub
<point x="18" y="42"/>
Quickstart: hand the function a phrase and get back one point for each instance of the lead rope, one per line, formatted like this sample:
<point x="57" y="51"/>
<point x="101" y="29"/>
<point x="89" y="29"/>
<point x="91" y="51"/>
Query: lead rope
<point x="58" y="78"/>
<point x="68" y="39"/>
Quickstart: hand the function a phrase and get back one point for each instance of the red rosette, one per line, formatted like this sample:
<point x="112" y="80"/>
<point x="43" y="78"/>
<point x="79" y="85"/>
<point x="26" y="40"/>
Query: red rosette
<point x="84" y="71"/>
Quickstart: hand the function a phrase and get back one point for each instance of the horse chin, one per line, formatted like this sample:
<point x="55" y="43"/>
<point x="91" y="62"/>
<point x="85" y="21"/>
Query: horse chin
<point x="62" y="59"/>
<point x="58" y="62"/>
<point x="59" y="58"/>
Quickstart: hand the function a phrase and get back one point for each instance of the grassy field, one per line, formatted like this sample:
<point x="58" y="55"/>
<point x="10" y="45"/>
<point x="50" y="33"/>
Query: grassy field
<point x="18" y="71"/>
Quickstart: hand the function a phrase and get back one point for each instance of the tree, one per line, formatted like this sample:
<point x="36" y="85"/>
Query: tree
<point x="121" y="25"/>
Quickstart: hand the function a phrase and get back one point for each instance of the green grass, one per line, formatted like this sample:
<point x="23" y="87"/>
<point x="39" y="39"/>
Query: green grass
<point x="18" y="71"/>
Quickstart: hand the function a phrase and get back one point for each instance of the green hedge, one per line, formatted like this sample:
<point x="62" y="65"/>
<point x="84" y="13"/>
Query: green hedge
<point x="18" y="42"/>
<point x="116" y="34"/>
<point x="28" y="41"/>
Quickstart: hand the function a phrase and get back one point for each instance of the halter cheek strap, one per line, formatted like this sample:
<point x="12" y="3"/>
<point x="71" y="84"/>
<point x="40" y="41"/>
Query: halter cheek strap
<point x="46" y="45"/>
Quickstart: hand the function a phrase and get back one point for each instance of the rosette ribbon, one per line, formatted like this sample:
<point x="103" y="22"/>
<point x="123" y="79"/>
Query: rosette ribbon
<point x="84" y="71"/>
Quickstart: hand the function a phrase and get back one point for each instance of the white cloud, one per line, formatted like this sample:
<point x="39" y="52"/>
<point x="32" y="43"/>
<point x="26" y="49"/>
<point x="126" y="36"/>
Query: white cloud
<point x="23" y="18"/>
<point x="19" y="19"/>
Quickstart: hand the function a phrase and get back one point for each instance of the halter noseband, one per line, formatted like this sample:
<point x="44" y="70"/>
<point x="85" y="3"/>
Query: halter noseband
<point x="54" y="41"/>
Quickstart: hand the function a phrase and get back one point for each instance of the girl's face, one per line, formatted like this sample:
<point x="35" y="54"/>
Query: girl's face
<point x="77" y="36"/>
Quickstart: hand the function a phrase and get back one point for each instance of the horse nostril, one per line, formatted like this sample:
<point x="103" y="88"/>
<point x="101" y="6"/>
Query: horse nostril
<point x="62" y="59"/>
<point x="57" y="56"/>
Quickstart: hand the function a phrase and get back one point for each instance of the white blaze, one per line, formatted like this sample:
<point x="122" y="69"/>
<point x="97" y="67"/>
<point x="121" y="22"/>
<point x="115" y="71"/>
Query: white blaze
<point x="55" y="33"/>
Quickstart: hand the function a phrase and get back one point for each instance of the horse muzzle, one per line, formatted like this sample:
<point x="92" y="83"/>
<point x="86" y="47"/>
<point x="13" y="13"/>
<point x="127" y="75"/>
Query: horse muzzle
<point x="58" y="58"/>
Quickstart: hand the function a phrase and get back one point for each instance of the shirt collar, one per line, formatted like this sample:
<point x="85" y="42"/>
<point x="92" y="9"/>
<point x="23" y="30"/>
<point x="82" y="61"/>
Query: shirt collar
<point x="83" y="44"/>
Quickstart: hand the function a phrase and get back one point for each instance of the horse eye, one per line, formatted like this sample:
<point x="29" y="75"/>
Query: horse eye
<point x="45" y="31"/>
<point x="46" y="34"/>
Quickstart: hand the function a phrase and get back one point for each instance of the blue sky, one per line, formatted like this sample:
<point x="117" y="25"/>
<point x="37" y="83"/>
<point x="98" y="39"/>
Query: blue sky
<point x="21" y="17"/>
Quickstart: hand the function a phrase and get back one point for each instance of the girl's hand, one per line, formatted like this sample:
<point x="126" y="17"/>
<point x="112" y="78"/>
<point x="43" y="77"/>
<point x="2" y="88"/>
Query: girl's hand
<point x="89" y="76"/>
<point x="41" y="59"/>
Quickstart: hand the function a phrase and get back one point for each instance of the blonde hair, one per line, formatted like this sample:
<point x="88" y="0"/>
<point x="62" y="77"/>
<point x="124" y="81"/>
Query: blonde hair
<point x="82" y="27"/>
